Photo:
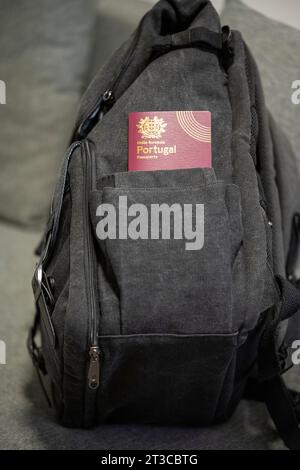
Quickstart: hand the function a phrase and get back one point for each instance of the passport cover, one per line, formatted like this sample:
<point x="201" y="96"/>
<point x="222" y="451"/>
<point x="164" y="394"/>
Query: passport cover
<point x="169" y="140"/>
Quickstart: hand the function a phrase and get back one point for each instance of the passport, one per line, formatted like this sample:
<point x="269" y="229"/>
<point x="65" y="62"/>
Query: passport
<point x="169" y="140"/>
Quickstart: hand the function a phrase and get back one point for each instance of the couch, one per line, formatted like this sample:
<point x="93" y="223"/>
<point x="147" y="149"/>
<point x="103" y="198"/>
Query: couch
<point x="25" y="420"/>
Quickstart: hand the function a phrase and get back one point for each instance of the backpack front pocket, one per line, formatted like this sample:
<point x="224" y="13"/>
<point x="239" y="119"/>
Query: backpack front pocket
<point x="168" y="269"/>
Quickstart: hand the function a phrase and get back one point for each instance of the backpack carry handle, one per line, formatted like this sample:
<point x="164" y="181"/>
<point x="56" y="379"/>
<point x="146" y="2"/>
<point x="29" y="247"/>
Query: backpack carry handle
<point x="199" y="37"/>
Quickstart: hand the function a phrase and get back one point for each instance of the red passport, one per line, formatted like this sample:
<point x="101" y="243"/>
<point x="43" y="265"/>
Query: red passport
<point x="169" y="140"/>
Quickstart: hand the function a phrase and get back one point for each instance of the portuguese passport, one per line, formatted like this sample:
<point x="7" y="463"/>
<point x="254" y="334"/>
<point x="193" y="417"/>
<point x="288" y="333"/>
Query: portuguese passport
<point x="169" y="140"/>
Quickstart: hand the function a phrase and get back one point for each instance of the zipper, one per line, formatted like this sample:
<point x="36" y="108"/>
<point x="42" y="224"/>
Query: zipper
<point x="101" y="107"/>
<point x="95" y="115"/>
<point x="93" y="375"/>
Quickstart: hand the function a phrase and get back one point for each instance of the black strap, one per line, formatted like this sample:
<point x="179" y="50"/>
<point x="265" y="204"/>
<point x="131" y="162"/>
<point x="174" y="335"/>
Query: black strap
<point x="194" y="37"/>
<point x="283" y="409"/>
<point x="36" y="355"/>
<point x="283" y="406"/>
<point x="290" y="298"/>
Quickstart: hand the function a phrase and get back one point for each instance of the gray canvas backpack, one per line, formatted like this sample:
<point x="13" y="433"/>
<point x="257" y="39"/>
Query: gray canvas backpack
<point x="143" y="330"/>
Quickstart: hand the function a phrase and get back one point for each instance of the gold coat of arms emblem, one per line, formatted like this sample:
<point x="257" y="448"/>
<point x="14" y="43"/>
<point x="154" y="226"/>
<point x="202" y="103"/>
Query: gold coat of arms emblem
<point x="151" y="128"/>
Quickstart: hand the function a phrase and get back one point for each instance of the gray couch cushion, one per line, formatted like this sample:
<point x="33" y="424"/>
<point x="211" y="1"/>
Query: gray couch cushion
<point x="115" y="22"/>
<point x="275" y="48"/>
<point x="45" y="48"/>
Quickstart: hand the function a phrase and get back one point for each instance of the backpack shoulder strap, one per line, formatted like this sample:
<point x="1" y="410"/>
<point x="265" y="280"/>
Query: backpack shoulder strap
<point x="283" y="405"/>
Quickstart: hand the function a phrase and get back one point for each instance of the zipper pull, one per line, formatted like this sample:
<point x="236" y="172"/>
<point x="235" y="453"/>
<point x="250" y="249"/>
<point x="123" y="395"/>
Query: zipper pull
<point x="108" y="96"/>
<point x="108" y="99"/>
<point x="94" y="368"/>
<point x="104" y="104"/>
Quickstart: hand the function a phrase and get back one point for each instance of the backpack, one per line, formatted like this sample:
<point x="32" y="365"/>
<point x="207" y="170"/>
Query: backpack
<point x="145" y="331"/>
